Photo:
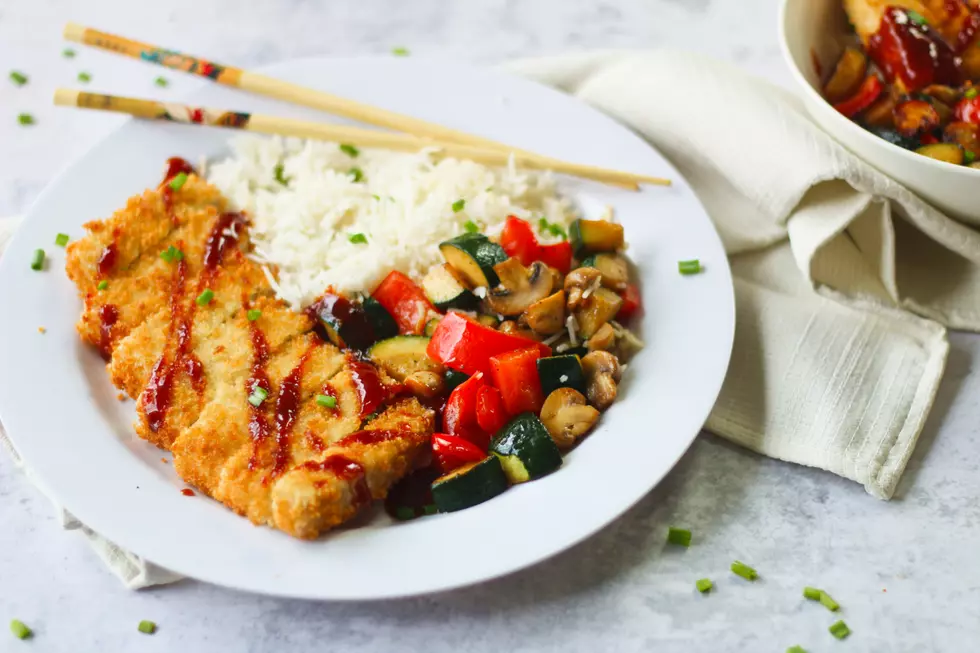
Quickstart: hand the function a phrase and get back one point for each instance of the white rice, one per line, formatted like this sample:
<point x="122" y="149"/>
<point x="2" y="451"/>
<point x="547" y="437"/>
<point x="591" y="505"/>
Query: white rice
<point x="403" y="206"/>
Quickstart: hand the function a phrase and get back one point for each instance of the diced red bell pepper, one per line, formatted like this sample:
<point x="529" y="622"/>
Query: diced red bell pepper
<point x="515" y="374"/>
<point x="866" y="95"/>
<point x="557" y="256"/>
<point x="451" y="452"/>
<point x="928" y="139"/>
<point x="968" y="110"/>
<point x="632" y="303"/>
<point x="459" y="417"/>
<point x="519" y="241"/>
<point x="465" y="345"/>
<point x="490" y="412"/>
<point x="405" y="301"/>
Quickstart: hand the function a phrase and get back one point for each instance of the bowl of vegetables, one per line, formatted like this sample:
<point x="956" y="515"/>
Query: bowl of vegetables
<point x="898" y="84"/>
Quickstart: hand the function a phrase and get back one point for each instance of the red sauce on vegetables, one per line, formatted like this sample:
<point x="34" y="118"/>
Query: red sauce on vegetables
<point x="912" y="53"/>
<point x="187" y="492"/>
<point x="108" y="316"/>
<point x="371" y="392"/>
<point x="107" y="260"/>
<point x="334" y="309"/>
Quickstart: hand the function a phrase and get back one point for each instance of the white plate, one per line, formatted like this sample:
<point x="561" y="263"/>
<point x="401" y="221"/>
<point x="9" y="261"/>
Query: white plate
<point x="62" y="414"/>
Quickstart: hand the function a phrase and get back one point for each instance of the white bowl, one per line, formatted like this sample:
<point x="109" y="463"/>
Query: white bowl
<point x="813" y="33"/>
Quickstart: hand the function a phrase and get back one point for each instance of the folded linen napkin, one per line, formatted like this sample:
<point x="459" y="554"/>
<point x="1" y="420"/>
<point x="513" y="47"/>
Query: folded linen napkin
<point x="832" y="365"/>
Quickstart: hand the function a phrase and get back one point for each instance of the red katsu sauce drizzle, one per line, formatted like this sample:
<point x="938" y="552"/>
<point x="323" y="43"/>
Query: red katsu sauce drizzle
<point x="258" y="425"/>
<point x="187" y="492"/>
<point x="223" y="233"/>
<point x="966" y="37"/>
<point x="108" y="316"/>
<point x="371" y="437"/>
<point x="107" y="260"/>
<point x="175" y="166"/>
<point x="912" y="53"/>
<point x="371" y="392"/>
<point x="287" y="405"/>
<point x="344" y="469"/>
<point x="159" y="389"/>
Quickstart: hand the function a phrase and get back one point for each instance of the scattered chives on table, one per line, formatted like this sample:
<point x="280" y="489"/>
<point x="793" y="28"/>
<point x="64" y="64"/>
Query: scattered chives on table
<point x="812" y="593"/>
<point x="680" y="536"/>
<point x="828" y="602"/>
<point x="689" y="267"/>
<point x="68" y="53"/>
<point x="25" y="119"/>
<point x="704" y="585"/>
<point x="37" y="261"/>
<point x="84" y="77"/>
<point x="147" y="627"/>
<point x="795" y="649"/>
<point x="743" y="570"/>
<point x="61" y="240"/>
<point x="18" y="77"/>
<point x="20" y="629"/>
<point x="161" y="82"/>
<point x="839" y="630"/>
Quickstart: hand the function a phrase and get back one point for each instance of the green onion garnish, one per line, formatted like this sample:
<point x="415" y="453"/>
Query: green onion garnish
<point x="430" y="509"/>
<point x="377" y="197"/>
<point x="743" y="570"/>
<point x="68" y="53"/>
<point x="259" y="394"/>
<point x="971" y="93"/>
<point x="828" y="602"/>
<point x="25" y="119"/>
<point x="61" y="240"/>
<point x="916" y="17"/>
<point x="404" y="513"/>
<point x="277" y="173"/>
<point x="839" y="630"/>
<point x="549" y="227"/>
<point x="470" y="227"/>
<point x="20" y="629"/>
<point x="171" y="254"/>
<point x="205" y="297"/>
<point x="458" y="205"/>
<point x="812" y="593"/>
<point x="326" y="401"/>
<point x="355" y="174"/>
<point x="349" y="150"/>
<point x="689" y="267"/>
<point x="84" y="77"/>
<point x="147" y="627"/>
<point x="37" y="261"/>
<point x="704" y="585"/>
<point x="253" y="314"/>
<point x="795" y="649"/>
<point x="679" y="536"/>
<point x="18" y="78"/>
<point x="103" y="285"/>
<point x="178" y="181"/>
<point x="400" y="52"/>
<point x="358" y="239"/>
<point x="161" y="82"/>
<point x="969" y="157"/>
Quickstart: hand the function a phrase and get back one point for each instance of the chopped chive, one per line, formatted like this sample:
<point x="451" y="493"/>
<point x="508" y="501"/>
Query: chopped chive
<point x="161" y="82"/>
<point x="171" y="254"/>
<point x="349" y="150"/>
<point x="20" y="629"/>
<point x="257" y="396"/>
<point x="489" y="189"/>
<point x="542" y="225"/>
<point x="971" y="93"/>
<point x="377" y="197"/>
<point x="556" y="230"/>
<point x="25" y="119"/>
<point x="205" y="297"/>
<point x="277" y="173"/>
<point x="253" y="314"/>
<point x="326" y="401"/>
<point x="828" y="602"/>
<point x="430" y="509"/>
<point x="916" y="17"/>
<point x="18" y="78"/>
<point x="68" y="53"/>
<point x="969" y="157"/>
<point x="61" y="240"/>
<point x="178" y="181"/>
<point x="358" y="239"/>
<point x="689" y="267"/>
<point x="355" y="174"/>
<point x="458" y="205"/>
<point x="470" y="227"/>
<point x="839" y="630"/>
<point x="795" y="649"/>
<point x="103" y="285"/>
<point x="147" y="627"/>
<point x="37" y="261"/>
<point x="404" y="513"/>
<point x="400" y="52"/>
<point x="812" y="593"/>
<point x="743" y="570"/>
<point x="679" y="536"/>
<point x="704" y="585"/>
<point x="84" y="77"/>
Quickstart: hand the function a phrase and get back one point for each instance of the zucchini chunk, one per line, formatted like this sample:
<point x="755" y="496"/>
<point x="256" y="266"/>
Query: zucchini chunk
<point x="593" y="236"/>
<point x="525" y="449"/>
<point x="469" y="485"/>
<point x="345" y="322"/>
<point x="430" y="326"/>
<point x="445" y="291"/>
<point x="615" y="271"/>
<point x="380" y="319"/>
<point x="560" y="372"/>
<point x="453" y="378"/>
<point x="403" y="355"/>
<point x="473" y="256"/>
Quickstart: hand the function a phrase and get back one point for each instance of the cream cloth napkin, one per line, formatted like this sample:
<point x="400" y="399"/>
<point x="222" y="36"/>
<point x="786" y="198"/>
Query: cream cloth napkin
<point x="834" y="264"/>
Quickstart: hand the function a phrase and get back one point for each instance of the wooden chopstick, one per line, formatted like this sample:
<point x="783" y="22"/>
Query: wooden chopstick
<point x="153" y="110"/>
<point x="296" y="94"/>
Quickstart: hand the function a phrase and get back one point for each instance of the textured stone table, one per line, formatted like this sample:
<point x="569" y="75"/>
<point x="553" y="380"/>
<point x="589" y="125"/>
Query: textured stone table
<point x="906" y="572"/>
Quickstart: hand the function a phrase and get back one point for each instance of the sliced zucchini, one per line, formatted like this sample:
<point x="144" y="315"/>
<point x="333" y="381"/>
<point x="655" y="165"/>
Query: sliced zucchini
<point x="430" y="326"/>
<point x="403" y="355"/>
<point x="593" y="236"/>
<point x="445" y="291"/>
<point x="453" y="378"/>
<point x="525" y="449"/>
<point x="379" y="318"/>
<point x="599" y="308"/>
<point x="469" y="485"/>
<point x="473" y="256"/>
<point x="345" y="322"/>
<point x="943" y="152"/>
<point x="615" y="271"/>
<point x="561" y="372"/>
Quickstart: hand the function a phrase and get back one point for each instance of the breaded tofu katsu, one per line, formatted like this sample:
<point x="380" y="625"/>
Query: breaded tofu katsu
<point x="227" y="377"/>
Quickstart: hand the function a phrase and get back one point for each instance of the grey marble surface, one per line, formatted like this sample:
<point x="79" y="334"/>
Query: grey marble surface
<point x="905" y="572"/>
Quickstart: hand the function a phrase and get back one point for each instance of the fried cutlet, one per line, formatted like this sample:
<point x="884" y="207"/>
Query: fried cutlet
<point x="226" y="376"/>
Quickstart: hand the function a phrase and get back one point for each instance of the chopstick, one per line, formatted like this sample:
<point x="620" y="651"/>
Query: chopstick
<point x="171" y="112"/>
<point x="294" y="93"/>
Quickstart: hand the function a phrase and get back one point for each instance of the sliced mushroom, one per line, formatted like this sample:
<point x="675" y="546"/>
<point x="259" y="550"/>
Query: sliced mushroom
<point x="425" y="384"/>
<point x="602" y="372"/>
<point x="513" y="328"/>
<point x="519" y="286"/>
<point x="547" y="316"/>
<point x="603" y="339"/>
<point x="595" y="310"/>
<point x="578" y="285"/>
<point x="567" y="417"/>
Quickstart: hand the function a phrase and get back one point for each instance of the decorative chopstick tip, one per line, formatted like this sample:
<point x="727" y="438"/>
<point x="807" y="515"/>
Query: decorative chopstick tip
<point x="66" y="97"/>
<point x="73" y="32"/>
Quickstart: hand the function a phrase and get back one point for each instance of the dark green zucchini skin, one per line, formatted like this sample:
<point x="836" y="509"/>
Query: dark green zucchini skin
<point x="473" y="257"/>
<point x="525" y="449"/>
<point x="453" y="378"/>
<point x="594" y="236"/>
<point x="552" y="369"/>
<point x="380" y="319"/>
<point x="445" y="291"/>
<point x="469" y="485"/>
